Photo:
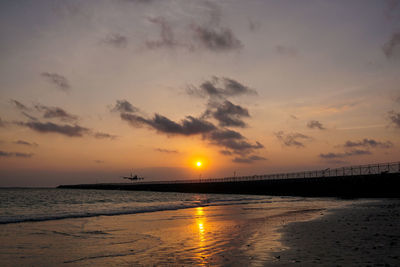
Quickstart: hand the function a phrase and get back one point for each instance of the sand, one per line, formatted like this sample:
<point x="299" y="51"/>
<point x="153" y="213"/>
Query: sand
<point x="363" y="234"/>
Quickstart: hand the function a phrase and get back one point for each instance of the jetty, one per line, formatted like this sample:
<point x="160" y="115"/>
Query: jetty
<point x="369" y="181"/>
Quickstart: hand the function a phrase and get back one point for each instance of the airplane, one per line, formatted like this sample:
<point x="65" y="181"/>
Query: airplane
<point x="133" y="178"/>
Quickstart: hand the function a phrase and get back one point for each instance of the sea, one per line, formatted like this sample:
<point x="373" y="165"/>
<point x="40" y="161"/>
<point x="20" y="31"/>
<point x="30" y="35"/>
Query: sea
<point x="43" y="204"/>
<point x="75" y="227"/>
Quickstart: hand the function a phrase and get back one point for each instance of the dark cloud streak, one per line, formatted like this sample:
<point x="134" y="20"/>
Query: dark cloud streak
<point x="292" y="139"/>
<point x="59" y="80"/>
<point x="15" y="154"/>
<point x="315" y="125"/>
<point x="25" y="143"/>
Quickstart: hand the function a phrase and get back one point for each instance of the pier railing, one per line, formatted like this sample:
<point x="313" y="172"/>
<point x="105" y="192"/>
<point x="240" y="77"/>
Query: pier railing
<point x="370" y="169"/>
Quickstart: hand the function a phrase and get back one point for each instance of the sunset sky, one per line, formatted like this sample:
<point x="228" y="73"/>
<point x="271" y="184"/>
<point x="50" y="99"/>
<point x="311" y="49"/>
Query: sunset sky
<point x="93" y="90"/>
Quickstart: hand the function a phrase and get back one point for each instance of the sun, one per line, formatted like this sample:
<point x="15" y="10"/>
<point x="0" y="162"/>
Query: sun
<point x="199" y="163"/>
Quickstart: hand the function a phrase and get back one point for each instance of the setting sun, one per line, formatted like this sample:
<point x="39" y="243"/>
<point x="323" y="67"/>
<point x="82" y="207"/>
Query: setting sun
<point x="199" y="163"/>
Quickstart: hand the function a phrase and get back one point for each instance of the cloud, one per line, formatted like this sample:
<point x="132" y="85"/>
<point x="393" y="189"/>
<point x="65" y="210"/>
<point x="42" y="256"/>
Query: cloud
<point x="232" y="141"/>
<point x="223" y="111"/>
<point x="23" y="109"/>
<point x="162" y="150"/>
<point x="210" y="35"/>
<point x="167" y="38"/>
<point x="25" y="143"/>
<point x="100" y="135"/>
<point x="225" y="152"/>
<point x="56" y="112"/>
<point x="15" y="154"/>
<point x="391" y="47"/>
<point x="253" y="25"/>
<point x="394" y="118"/>
<point x="355" y="152"/>
<point x="216" y="39"/>
<point x="49" y="127"/>
<point x="115" y="39"/>
<point x="99" y="161"/>
<point x="292" y="139"/>
<point x="188" y="126"/>
<point x="19" y="105"/>
<point x="368" y="143"/>
<point x="228" y="114"/>
<point x="286" y="50"/>
<point x="250" y="159"/>
<point x="124" y="106"/>
<point x="220" y="88"/>
<point x="60" y="81"/>
<point x="315" y="125"/>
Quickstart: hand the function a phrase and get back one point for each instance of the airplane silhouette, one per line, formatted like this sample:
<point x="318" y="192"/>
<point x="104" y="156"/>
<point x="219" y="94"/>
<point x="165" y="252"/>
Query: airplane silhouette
<point x="133" y="178"/>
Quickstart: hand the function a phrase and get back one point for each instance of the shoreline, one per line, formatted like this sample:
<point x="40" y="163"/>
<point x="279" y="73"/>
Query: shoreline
<point x="360" y="234"/>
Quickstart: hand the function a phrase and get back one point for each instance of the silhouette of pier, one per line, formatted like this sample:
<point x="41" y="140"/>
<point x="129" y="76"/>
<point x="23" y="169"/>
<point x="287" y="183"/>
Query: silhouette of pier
<point x="372" y="180"/>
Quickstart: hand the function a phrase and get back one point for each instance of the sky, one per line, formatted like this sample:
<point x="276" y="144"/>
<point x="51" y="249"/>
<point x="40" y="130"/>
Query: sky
<point x="91" y="90"/>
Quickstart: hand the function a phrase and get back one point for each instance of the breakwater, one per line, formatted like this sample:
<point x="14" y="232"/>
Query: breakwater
<point x="378" y="180"/>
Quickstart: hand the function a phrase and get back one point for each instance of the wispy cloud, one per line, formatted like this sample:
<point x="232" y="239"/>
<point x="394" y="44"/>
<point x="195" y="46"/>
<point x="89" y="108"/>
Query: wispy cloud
<point x="168" y="151"/>
<point x="100" y="135"/>
<point x="19" y="105"/>
<point x="392" y="46"/>
<point x="368" y="143"/>
<point x="355" y="152"/>
<point x="228" y="114"/>
<point x="116" y="40"/>
<point x="292" y="139"/>
<point x="124" y="106"/>
<point x="56" y="113"/>
<point x="49" y="127"/>
<point x="217" y="39"/>
<point x="220" y="88"/>
<point x="188" y="126"/>
<point x="249" y="159"/>
<point x="232" y="141"/>
<point x="167" y="38"/>
<point x="209" y="35"/>
<point x="394" y="118"/>
<point x="15" y="154"/>
<point x="313" y="124"/>
<point x="57" y="79"/>
<point x="25" y="143"/>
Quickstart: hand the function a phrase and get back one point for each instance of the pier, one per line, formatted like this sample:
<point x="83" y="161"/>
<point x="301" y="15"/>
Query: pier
<point x="372" y="180"/>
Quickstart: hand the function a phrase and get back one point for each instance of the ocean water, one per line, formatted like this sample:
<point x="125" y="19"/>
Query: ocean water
<point x="67" y="227"/>
<point x="42" y="204"/>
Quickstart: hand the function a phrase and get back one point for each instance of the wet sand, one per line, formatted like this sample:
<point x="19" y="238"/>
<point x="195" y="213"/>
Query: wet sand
<point x="230" y="235"/>
<point x="363" y="234"/>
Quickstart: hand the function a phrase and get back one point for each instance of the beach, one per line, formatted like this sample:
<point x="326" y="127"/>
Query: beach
<point x="240" y="231"/>
<point x="362" y="234"/>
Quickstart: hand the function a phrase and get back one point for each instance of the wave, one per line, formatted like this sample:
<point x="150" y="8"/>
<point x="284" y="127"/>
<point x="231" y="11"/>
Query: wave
<point x="125" y="211"/>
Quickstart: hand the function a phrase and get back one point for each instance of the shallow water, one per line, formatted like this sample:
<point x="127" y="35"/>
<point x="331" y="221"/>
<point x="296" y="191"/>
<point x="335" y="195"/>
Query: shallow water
<point x="151" y="228"/>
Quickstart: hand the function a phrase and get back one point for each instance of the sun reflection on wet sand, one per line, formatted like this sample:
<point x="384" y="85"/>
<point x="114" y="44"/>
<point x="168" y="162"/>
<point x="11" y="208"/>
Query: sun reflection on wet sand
<point x="200" y="222"/>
